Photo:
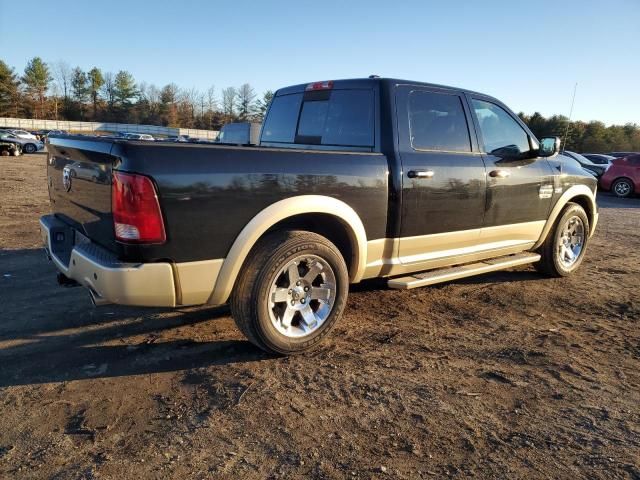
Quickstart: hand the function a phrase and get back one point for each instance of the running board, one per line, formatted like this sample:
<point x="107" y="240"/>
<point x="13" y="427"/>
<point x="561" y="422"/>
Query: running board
<point x="453" y="273"/>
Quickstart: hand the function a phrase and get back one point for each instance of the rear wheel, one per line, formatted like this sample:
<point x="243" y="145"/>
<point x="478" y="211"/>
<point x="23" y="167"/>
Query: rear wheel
<point x="563" y="250"/>
<point x="292" y="290"/>
<point x="5" y="153"/>
<point x="623" y="187"/>
<point x="30" y="148"/>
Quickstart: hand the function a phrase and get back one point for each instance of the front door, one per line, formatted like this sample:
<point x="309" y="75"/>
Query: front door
<point x="519" y="183"/>
<point x="443" y="182"/>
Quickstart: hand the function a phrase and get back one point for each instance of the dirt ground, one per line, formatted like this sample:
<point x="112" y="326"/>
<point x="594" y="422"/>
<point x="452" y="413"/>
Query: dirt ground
<point x="508" y="375"/>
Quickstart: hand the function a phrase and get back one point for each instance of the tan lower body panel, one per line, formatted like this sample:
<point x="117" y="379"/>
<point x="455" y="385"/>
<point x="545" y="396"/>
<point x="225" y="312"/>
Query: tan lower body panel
<point x="396" y="256"/>
<point x="195" y="280"/>
<point x="145" y="285"/>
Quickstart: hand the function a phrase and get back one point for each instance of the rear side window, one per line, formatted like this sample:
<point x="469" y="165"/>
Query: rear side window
<point x="330" y="117"/>
<point x="280" y="125"/>
<point x="437" y="122"/>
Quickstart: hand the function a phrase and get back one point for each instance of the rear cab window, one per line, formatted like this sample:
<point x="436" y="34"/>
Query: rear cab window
<point x="327" y="118"/>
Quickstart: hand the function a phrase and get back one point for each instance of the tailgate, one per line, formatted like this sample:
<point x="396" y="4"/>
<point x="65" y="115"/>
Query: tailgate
<point x="79" y="179"/>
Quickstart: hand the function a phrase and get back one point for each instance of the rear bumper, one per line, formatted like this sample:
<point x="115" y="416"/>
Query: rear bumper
<point x="108" y="279"/>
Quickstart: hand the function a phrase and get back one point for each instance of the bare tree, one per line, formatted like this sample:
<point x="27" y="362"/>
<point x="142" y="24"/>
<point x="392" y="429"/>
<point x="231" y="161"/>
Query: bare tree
<point x="212" y="101"/>
<point x="62" y="74"/>
<point x="108" y="88"/>
<point x="229" y="95"/>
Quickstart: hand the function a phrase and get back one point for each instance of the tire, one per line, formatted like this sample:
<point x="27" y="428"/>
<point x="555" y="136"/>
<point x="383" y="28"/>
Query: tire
<point x="557" y="261"/>
<point x="622" y="188"/>
<point x="5" y="153"/>
<point x="266" y="276"/>
<point x="30" y="148"/>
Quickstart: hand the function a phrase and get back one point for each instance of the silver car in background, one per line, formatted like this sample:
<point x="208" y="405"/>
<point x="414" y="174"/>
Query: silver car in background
<point x="28" y="145"/>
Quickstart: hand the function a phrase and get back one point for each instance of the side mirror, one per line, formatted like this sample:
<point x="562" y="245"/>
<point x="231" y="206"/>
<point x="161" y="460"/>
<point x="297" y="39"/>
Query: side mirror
<point x="549" y="146"/>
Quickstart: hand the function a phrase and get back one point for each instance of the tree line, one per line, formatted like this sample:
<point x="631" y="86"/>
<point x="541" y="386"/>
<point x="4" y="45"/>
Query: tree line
<point x="588" y="137"/>
<point x="57" y="91"/>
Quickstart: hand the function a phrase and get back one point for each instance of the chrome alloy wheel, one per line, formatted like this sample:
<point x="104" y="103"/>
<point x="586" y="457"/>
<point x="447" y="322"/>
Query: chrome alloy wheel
<point x="302" y="295"/>
<point x="622" y="188"/>
<point x="571" y="241"/>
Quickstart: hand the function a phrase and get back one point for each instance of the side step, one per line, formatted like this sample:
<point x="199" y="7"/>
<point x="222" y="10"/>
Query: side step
<point x="453" y="273"/>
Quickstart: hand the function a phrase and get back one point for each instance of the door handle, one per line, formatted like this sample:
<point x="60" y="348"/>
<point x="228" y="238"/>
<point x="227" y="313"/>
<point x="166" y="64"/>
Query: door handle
<point x="420" y="173"/>
<point x="499" y="173"/>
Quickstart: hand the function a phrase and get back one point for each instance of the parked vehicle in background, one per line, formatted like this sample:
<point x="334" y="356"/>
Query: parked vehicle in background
<point x="28" y="145"/>
<point x="352" y="179"/>
<point x="599" y="158"/>
<point x="22" y="134"/>
<point x="8" y="148"/>
<point x="587" y="164"/>
<point x="240" y="133"/>
<point x="44" y="133"/>
<point x="623" y="176"/>
<point x="567" y="160"/>
<point x="139" y="136"/>
<point x="622" y="154"/>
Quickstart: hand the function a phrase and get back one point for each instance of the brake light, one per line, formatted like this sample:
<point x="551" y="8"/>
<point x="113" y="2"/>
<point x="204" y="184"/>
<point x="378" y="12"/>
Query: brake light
<point x="327" y="85"/>
<point x="136" y="212"/>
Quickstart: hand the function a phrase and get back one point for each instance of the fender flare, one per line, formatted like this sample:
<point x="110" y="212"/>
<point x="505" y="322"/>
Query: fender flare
<point x="277" y="212"/>
<point x="566" y="197"/>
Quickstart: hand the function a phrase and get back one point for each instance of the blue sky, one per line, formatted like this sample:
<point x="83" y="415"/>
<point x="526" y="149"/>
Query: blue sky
<point x="528" y="54"/>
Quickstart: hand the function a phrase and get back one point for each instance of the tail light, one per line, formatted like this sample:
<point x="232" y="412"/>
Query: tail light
<point x="137" y="217"/>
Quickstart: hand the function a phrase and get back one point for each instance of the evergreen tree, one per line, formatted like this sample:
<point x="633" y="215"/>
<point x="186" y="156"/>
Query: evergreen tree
<point x="124" y="88"/>
<point x="262" y="104"/>
<point x="9" y="93"/>
<point x="96" y="81"/>
<point x="36" y="79"/>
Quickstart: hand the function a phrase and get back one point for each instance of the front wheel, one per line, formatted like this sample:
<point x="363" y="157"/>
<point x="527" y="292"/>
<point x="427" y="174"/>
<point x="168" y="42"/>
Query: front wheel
<point x="291" y="291"/>
<point x="563" y="250"/>
<point x="622" y="187"/>
<point x="30" y="148"/>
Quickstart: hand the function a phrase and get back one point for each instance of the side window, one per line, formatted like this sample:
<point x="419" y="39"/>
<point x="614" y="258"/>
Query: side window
<point x="499" y="130"/>
<point x="437" y="122"/>
<point x="280" y="125"/>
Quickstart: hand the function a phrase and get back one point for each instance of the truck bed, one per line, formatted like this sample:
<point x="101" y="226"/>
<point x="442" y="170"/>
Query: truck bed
<point x="205" y="191"/>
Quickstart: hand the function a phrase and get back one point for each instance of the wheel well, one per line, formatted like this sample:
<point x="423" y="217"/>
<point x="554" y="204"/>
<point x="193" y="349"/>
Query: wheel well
<point x="329" y="226"/>
<point x="623" y="178"/>
<point x="585" y="203"/>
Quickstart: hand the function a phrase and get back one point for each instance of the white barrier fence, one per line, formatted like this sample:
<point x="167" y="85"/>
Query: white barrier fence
<point x="33" y="124"/>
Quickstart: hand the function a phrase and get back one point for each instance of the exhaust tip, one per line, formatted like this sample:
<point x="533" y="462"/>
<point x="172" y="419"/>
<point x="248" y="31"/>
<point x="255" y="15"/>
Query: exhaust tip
<point x="97" y="300"/>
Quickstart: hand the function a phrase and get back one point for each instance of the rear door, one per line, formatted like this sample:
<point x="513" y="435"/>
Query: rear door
<point x="443" y="179"/>
<point x="520" y="184"/>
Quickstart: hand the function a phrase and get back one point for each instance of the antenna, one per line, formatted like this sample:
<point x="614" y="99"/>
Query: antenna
<point x="566" y="131"/>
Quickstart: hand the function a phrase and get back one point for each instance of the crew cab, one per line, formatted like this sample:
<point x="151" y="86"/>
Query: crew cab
<point x="351" y="180"/>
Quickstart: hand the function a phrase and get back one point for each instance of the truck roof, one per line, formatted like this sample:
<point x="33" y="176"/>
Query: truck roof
<point x="368" y="82"/>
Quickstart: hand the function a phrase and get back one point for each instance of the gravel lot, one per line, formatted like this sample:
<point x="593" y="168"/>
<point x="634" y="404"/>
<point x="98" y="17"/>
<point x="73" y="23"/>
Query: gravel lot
<point x="508" y="375"/>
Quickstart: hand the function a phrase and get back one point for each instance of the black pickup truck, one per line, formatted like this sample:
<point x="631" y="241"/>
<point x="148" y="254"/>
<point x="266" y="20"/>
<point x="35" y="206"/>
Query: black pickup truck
<point x="352" y="179"/>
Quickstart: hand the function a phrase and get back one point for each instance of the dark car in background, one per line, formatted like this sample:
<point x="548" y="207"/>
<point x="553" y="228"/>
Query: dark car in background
<point x="622" y="154"/>
<point x="586" y="163"/>
<point x="8" y="148"/>
<point x="623" y="177"/>
<point x="599" y="158"/>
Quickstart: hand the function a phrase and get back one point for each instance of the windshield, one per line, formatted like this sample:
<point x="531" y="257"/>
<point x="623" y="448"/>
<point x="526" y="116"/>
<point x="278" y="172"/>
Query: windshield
<point x="580" y="158"/>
